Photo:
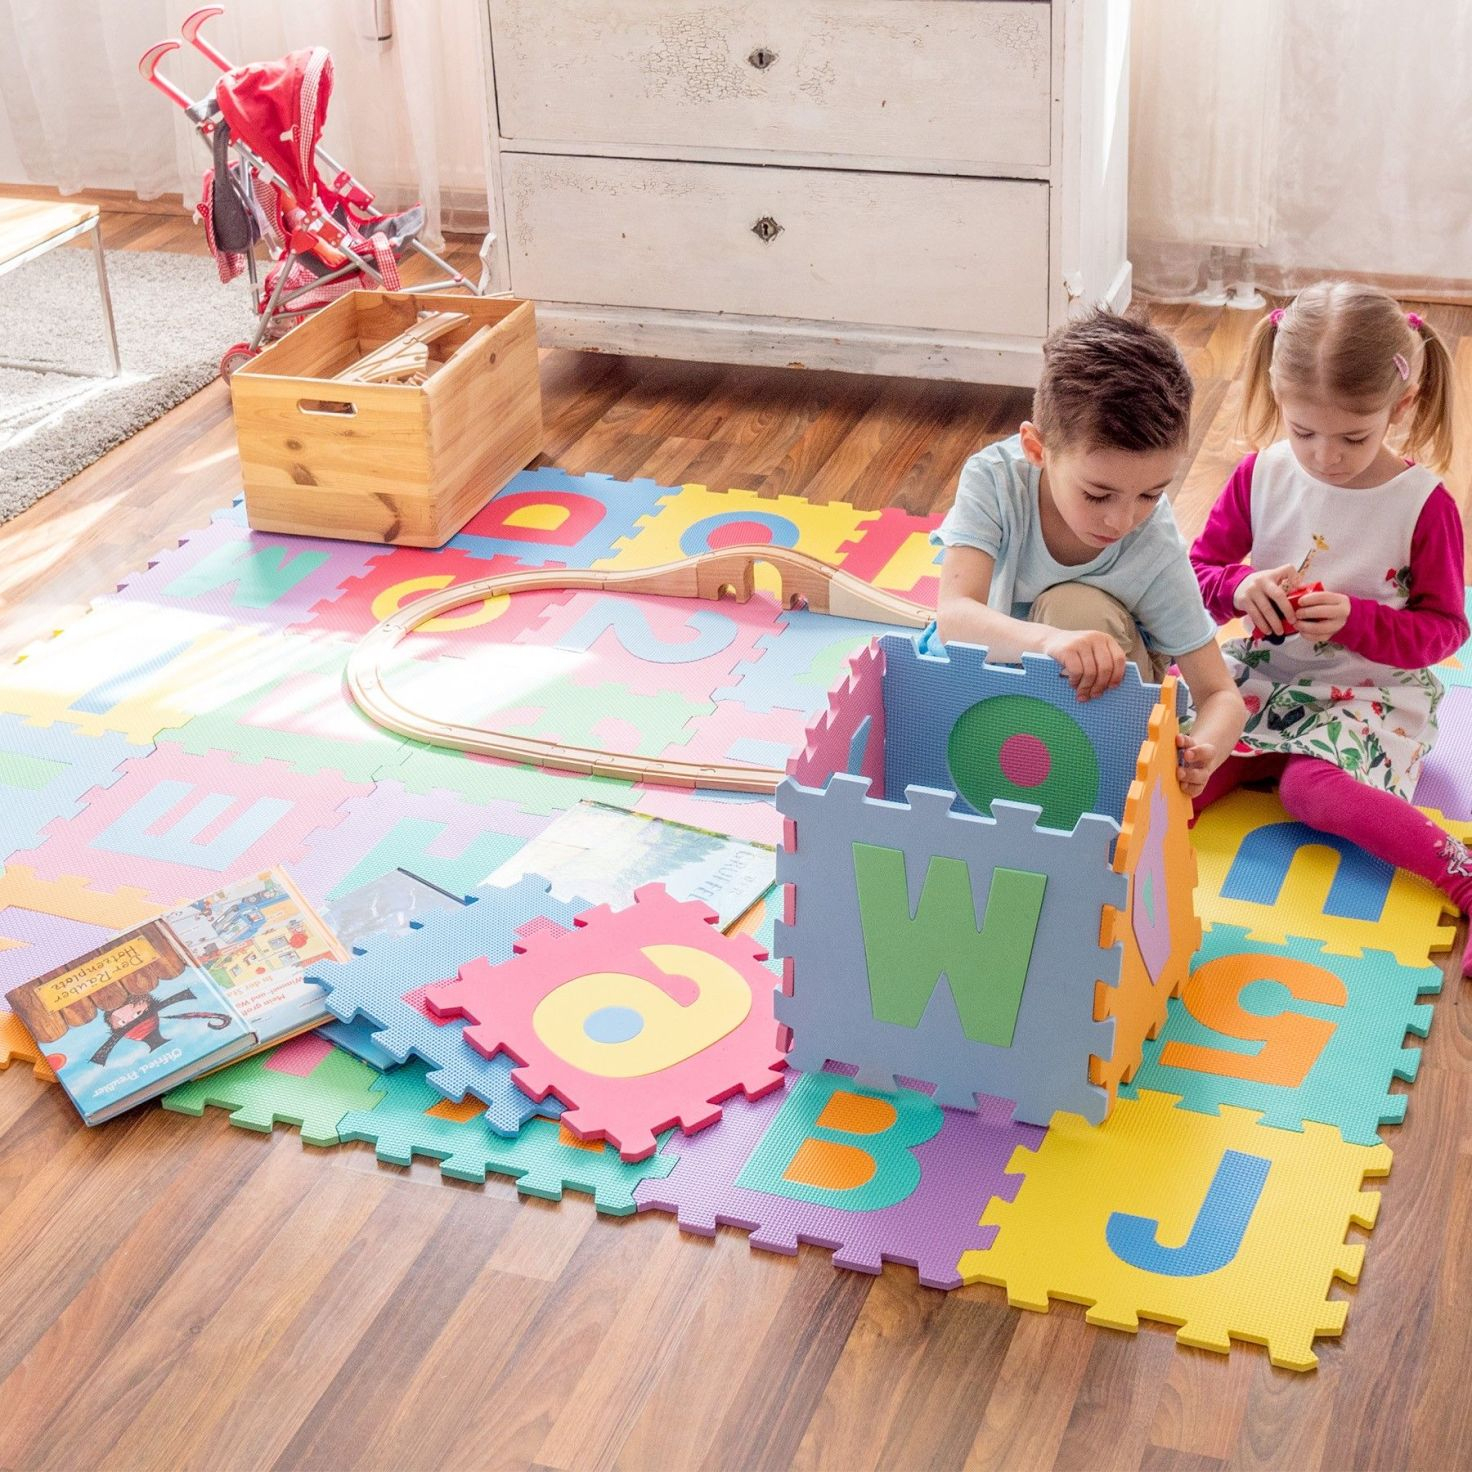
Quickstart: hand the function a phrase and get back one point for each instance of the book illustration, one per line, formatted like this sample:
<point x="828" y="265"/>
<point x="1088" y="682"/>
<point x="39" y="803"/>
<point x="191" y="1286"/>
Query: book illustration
<point x="256" y="938"/>
<point x="603" y="853"/>
<point x="140" y="1020"/>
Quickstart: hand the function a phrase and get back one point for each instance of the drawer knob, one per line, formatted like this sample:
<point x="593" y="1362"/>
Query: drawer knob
<point x="762" y="58"/>
<point x="766" y="229"/>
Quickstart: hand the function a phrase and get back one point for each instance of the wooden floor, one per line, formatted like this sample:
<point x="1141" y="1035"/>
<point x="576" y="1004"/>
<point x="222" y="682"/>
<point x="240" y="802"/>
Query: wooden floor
<point x="178" y="1293"/>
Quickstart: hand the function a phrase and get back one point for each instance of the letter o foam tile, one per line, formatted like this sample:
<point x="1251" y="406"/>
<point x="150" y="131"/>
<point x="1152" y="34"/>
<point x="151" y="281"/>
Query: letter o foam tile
<point x="1163" y="1214"/>
<point x="637" y="1019"/>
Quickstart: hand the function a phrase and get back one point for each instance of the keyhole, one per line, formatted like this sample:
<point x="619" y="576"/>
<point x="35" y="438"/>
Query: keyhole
<point x="761" y="58"/>
<point x="766" y="229"/>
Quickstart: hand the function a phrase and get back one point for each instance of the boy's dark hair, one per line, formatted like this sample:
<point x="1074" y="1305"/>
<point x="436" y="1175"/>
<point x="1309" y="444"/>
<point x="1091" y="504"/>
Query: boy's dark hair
<point x="1112" y="382"/>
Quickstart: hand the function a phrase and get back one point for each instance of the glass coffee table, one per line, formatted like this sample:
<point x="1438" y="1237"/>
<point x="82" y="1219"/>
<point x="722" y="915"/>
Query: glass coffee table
<point x="31" y="227"/>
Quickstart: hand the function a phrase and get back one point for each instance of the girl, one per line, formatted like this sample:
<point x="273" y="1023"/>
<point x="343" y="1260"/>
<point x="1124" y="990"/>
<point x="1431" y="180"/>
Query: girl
<point x="1341" y="703"/>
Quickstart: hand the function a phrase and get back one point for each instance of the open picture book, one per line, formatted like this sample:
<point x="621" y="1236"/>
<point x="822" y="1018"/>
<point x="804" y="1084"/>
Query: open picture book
<point x="180" y="995"/>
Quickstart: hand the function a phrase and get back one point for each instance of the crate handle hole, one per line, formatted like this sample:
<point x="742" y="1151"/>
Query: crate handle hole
<point x="327" y="406"/>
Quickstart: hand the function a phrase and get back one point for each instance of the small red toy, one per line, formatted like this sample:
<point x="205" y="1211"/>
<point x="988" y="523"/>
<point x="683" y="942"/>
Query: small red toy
<point x="1289" y="627"/>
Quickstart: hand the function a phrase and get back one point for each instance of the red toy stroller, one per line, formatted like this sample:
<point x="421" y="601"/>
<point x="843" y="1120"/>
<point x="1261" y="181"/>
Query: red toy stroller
<point x="263" y="126"/>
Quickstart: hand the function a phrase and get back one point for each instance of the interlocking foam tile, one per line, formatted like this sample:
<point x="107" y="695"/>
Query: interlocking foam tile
<point x="800" y="662"/>
<point x="426" y="769"/>
<point x="437" y="835"/>
<point x="298" y="1084"/>
<point x="18" y="1046"/>
<point x="32" y="942"/>
<point x="46" y="773"/>
<point x="874" y="1176"/>
<point x="547" y="516"/>
<point x="357" y="1038"/>
<point x="1446" y="776"/>
<point x="1293" y="1033"/>
<point x="1158" y="928"/>
<point x="398" y="577"/>
<point x="893" y="552"/>
<point x="637" y="1019"/>
<point x="605" y="716"/>
<point x="695" y="520"/>
<point x="1277" y="878"/>
<point x="848" y="736"/>
<point x="302" y="719"/>
<point x="386" y="982"/>
<point x="935" y="918"/>
<point x="180" y="825"/>
<point x="726" y="735"/>
<point x="136" y="669"/>
<point x="930" y="698"/>
<point x="653" y="644"/>
<point x="1221" y="1226"/>
<point x="254" y="579"/>
<point x="544" y="1158"/>
<point x="73" y="898"/>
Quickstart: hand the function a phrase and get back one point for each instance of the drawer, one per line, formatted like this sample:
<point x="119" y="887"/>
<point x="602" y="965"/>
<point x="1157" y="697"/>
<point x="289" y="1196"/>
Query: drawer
<point x="905" y="250"/>
<point x="946" y="81"/>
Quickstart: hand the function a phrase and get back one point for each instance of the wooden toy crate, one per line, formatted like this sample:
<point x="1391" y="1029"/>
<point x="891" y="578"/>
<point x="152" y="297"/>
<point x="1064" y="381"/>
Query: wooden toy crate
<point x="396" y="463"/>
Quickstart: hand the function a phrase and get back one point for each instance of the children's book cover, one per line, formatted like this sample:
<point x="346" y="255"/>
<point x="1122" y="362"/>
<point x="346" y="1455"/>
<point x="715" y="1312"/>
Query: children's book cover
<point x="256" y="938"/>
<point x="128" y="1020"/>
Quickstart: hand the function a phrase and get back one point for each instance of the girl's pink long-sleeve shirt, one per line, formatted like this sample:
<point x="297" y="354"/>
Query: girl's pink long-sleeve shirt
<point x="1430" y="627"/>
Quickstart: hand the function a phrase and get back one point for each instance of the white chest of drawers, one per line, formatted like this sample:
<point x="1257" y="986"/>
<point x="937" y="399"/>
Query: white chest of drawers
<point x="890" y="186"/>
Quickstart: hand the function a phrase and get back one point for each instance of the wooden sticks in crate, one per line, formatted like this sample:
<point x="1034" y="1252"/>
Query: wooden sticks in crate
<point x="405" y="358"/>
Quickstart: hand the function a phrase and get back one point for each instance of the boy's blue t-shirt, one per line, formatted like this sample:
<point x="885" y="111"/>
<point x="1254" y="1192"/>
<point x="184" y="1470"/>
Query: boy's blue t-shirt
<point x="1148" y="571"/>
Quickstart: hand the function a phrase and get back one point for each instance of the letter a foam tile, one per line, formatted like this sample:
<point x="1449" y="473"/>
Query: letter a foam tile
<point x="638" y="1019"/>
<point x="873" y="1176"/>
<point x="1221" y="1226"/>
<point x="1293" y="1032"/>
<point x="305" y="1082"/>
<point x="544" y="1158"/>
<point x="388" y="981"/>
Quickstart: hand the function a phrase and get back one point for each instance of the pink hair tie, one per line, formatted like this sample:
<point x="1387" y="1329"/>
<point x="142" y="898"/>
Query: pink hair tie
<point x="1276" y="315"/>
<point x="1414" y="322"/>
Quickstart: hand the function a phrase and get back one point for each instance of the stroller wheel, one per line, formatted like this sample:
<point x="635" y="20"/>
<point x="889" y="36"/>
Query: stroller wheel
<point x="235" y="357"/>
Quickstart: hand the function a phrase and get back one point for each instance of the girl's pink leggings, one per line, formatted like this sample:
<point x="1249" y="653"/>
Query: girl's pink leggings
<point x="1328" y="799"/>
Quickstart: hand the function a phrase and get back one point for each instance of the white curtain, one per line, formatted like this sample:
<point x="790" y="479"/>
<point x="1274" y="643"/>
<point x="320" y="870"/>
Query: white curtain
<point x="1333" y="137"/>
<point x="407" y="115"/>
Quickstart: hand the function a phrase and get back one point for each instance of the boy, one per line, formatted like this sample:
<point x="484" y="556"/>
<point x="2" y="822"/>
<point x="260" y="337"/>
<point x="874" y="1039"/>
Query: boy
<point x="1061" y="541"/>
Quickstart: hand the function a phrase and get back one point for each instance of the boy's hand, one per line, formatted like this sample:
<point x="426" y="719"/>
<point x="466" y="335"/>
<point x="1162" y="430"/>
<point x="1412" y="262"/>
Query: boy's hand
<point x="1263" y="597"/>
<point x="1197" y="761"/>
<point x="1320" y="616"/>
<point x="1093" y="661"/>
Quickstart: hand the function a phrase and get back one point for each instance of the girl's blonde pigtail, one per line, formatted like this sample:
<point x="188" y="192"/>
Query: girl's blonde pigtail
<point x="1429" y="435"/>
<point x="1259" y="420"/>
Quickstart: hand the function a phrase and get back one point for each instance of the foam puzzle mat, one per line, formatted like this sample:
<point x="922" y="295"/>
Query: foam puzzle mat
<point x="193" y="726"/>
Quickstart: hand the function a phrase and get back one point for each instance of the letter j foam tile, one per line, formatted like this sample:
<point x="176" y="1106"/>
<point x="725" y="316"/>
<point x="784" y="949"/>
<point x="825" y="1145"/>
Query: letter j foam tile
<point x="1221" y="1226"/>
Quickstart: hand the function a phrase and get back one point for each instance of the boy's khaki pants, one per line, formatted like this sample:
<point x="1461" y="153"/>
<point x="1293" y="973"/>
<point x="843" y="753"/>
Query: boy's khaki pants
<point x="1078" y="606"/>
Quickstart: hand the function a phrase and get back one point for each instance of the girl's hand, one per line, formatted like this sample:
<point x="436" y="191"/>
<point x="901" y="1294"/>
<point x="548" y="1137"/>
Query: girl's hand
<point x="1197" y="761"/>
<point x="1320" y="616"/>
<point x="1263" y="597"/>
<point x="1093" y="661"/>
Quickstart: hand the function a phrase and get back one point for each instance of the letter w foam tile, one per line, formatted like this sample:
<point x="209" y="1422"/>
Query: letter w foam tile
<point x="305" y="1082"/>
<point x="874" y="1176"/>
<point x="544" y="1158"/>
<point x="1278" y="878"/>
<point x="386" y="984"/>
<point x="1222" y="1226"/>
<point x="1294" y="1033"/>
<point x="638" y="1019"/>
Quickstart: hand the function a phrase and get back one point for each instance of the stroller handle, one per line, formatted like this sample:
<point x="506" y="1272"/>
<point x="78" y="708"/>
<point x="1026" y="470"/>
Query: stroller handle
<point x="148" y="70"/>
<point x="189" y="29"/>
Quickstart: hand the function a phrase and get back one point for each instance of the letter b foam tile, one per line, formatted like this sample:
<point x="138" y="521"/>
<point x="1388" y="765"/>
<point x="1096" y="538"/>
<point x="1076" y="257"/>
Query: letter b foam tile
<point x="873" y="1176"/>
<point x="1222" y="1226"/>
